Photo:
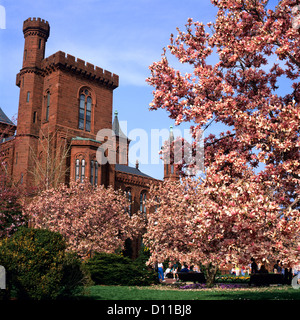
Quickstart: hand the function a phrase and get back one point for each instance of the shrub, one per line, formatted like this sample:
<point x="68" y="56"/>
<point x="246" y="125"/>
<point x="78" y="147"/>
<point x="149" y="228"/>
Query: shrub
<point x="37" y="266"/>
<point x="113" y="269"/>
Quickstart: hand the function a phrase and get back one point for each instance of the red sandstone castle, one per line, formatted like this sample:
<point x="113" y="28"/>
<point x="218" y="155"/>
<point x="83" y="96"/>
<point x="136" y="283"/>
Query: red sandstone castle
<point x="63" y="104"/>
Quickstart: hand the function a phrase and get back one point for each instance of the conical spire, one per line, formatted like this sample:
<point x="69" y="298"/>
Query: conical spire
<point x="116" y="127"/>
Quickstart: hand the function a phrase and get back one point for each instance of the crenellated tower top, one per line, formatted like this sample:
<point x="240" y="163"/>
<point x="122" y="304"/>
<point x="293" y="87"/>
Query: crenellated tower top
<point x="36" y="26"/>
<point x="36" y="32"/>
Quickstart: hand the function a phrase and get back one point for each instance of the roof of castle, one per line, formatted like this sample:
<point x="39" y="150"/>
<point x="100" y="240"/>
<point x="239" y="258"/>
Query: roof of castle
<point x="4" y="118"/>
<point x="131" y="170"/>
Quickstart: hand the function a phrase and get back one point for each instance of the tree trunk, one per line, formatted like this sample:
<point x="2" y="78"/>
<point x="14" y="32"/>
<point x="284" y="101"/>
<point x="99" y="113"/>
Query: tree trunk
<point x="211" y="272"/>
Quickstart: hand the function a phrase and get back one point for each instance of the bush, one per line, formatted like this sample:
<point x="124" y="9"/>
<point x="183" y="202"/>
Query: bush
<point x="113" y="269"/>
<point x="37" y="266"/>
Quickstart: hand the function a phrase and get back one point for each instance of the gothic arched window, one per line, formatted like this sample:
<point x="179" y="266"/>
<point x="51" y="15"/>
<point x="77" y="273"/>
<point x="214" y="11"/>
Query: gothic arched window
<point x="85" y="110"/>
<point x="47" y="106"/>
<point x="143" y="198"/>
<point x="129" y="198"/>
<point x="79" y="169"/>
<point x="94" y="172"/>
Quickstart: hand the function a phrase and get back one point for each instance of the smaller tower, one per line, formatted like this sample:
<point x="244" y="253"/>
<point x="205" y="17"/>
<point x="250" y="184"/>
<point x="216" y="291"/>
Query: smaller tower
<point x="122" y="142"/>
<point x="170" y="171"/>
<point x="30" y="80"/>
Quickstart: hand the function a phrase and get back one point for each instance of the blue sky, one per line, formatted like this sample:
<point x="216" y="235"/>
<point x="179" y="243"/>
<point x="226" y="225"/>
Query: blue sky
<point x="124" y="37"/>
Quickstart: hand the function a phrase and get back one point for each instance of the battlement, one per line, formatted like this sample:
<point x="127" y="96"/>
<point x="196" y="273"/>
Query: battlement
<point x="36" y="24"/>
<point x="68" y="62"/>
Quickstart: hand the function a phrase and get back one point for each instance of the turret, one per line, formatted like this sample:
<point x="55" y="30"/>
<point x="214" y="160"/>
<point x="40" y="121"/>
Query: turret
<point x="36" y="32"/>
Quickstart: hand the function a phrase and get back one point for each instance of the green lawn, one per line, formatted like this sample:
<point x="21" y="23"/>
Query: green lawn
<point x="165" y="293"/>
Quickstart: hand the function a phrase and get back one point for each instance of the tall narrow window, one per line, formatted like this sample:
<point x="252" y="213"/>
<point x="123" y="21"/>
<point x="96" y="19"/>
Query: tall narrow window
<point x="77" y="167"/>
<point x="25" y="55"/>
<point x="34" y="117"/>
<point x="94" y="173"/>
<point x="85" y="110"/>
<point x="82" y="170"/>
<point x="47" y="106"/>
<point x="28" y="96"/>
<point x="40" y="43"/>
<point x="129" y="198"/>
<point x="88" y="114"/>
<point x="81" y="112"/>
<point x="143" y="198"/>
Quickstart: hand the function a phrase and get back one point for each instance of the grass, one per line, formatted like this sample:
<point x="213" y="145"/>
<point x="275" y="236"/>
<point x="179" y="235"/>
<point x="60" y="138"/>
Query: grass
<point x="161" y="292"/>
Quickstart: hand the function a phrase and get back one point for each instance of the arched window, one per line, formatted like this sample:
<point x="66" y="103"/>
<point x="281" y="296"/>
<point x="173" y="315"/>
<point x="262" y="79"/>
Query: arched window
<point x="79" y="169"/>
<point x="47" y="106"/>
<point x="143" y="198"/>
<point x="85" y="110"/>
<point x="129" y="198"/>
<point x="82" y="170"/>
<point x="94" y="172"/>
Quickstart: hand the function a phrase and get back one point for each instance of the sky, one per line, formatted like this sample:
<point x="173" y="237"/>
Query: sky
<point x="124" y="37"/>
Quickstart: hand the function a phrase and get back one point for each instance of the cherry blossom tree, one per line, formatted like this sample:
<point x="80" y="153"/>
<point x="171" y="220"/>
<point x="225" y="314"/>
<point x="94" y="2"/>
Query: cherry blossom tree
<point x="228" y="216"/>
<point x="255" y="48"/>
<point x="11" y="216"/>
<point x="91" y="219"/>
<point x="11" y="194"/>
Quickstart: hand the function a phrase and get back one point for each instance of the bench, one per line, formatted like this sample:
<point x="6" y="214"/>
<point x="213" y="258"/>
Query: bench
<point x="192" y="276"/>
<point x="262" y="279"/>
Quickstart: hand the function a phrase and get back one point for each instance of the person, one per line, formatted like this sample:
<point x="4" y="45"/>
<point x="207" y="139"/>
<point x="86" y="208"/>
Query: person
<point x="233" y="272"/>
<point x="192" y="269"/>
<point x="185" y="268"/>
<point x="175" y="270"/>
<point x="263" y="269"/>
<point x="288" y="275"/>
<point x="168" y="270"/>
<point x="254" y="267"/>
<point x="276" y="267"/>
<point x="160" y="269"/>
<point x="196" y="269"/>
<point x="243" y="271"/>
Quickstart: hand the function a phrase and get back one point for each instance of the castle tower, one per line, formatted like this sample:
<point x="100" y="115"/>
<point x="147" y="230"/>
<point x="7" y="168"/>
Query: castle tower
<point x="122" y="142"/>
<point x="170" y="171"/>
<point x="30" y="81"/>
